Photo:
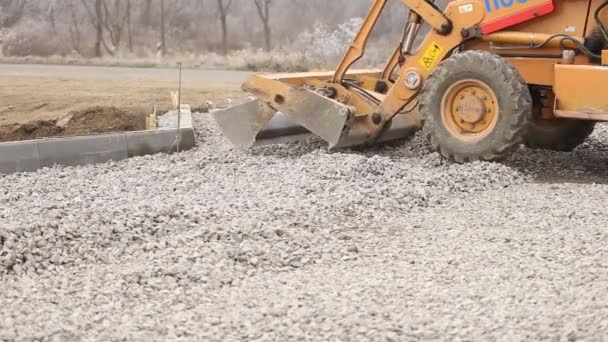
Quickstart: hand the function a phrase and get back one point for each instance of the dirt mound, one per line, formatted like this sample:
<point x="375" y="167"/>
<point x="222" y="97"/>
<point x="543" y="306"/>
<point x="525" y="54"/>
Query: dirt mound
<point x="103" y="120"/>
<point x="95" y="120"/>
<point x="31" y="130"/>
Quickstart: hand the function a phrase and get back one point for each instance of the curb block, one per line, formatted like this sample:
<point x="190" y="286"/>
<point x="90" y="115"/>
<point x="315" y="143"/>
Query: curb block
<point x="19" y="156"/>
<point x="82" y="150"/>
<point x="28" y="156"/>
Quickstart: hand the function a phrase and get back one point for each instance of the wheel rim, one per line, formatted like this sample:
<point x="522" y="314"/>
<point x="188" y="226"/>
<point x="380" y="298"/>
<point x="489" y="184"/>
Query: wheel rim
<point x="469" y="110"/>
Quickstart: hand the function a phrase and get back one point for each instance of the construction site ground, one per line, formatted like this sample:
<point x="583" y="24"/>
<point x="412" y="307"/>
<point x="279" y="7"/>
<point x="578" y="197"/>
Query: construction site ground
<point x="295" y="242"/>
<point x="40" y="100"/>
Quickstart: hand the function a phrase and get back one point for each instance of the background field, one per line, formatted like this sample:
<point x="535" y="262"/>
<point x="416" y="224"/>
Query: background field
<point x="37" y="92"/>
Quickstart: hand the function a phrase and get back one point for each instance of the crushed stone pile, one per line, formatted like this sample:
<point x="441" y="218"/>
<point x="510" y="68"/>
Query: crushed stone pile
<point x="296" y="242"/>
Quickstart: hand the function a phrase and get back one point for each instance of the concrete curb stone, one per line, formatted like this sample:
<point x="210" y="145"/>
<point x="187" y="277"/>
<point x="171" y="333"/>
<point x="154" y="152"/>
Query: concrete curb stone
<point x="29" y="156"/>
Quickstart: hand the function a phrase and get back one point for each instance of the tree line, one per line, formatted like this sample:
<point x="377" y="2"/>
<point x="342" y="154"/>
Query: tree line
<point x="95" y="28"/>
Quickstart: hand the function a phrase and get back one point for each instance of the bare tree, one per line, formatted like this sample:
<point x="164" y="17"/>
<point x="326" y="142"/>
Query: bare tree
<point x="51" y="15"/>
<point x="95" y="13"/>
<point x="263" y="7"/>
<point x="114" y="20"/>
<point x="223" y="7"/>
<point x="11" y="11"/>
<point x="195" y="26"/>
<point x="75" y="27"/>
<point x="146" y="13"/>
<point x="170" y="12"/>
<point x="129" y="26"/>
<point x="163" y="31"/>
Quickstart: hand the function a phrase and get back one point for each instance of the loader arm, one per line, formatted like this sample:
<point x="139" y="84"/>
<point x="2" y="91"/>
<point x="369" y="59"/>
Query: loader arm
<point x="446" y="34"/>
<point x="432" y="15"/>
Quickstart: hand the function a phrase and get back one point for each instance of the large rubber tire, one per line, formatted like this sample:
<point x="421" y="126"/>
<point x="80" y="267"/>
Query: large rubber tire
<point x="557" y="134"/>
<point x="514" y="105"/>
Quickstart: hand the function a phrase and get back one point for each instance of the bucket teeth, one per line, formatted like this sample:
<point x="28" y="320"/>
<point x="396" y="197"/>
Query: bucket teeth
<point x="242" y="123"/>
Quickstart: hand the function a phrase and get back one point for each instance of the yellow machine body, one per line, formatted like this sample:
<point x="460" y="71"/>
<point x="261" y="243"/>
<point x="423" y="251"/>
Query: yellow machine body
<point x="542" y="39"/>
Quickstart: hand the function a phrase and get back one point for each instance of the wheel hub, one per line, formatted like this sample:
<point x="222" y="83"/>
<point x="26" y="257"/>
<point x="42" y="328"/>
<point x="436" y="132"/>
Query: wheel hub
<point x="469" y="109"/>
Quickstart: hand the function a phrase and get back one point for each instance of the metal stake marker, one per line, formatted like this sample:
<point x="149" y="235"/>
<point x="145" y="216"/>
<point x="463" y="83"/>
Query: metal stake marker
<point x="179" y="108"/>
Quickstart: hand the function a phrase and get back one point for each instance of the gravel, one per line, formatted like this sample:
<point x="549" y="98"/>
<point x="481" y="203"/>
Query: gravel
<point x="293" y="242"/>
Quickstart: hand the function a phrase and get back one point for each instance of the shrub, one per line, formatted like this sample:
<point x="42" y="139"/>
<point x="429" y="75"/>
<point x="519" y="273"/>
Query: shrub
<point x="33" y="39"/>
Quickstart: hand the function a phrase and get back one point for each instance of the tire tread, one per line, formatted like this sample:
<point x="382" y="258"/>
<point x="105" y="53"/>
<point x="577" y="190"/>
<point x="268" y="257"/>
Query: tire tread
<point x="514" y="87"/>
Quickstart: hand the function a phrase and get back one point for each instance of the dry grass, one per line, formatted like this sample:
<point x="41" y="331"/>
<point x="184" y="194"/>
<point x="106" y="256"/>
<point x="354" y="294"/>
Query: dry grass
<point x="249" y="60"/>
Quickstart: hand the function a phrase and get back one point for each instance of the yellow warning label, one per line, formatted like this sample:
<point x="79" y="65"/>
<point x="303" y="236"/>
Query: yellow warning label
<point x="431" y="56"/>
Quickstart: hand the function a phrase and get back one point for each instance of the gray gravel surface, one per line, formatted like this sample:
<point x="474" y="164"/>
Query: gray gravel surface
<point x="292" y="242"/>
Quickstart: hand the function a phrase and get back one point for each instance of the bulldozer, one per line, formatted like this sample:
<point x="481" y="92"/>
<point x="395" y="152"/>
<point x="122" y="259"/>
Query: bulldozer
<point x="486" y="77"/>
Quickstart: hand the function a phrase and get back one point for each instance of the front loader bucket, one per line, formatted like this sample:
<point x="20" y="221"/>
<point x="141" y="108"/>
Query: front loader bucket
<point x="255" y="123"/>
<point x="324" y="117"/>
<point x="242" y="123"/>
<point x="282" y="129"/>
<point x="252" y="122"/>
<point x="290" y="105"/>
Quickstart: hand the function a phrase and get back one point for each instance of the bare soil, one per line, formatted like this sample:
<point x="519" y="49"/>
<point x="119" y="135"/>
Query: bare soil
<point x="94" y="120"/>
<point x="35" y="100"/>
<point x="32" y="130"/>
